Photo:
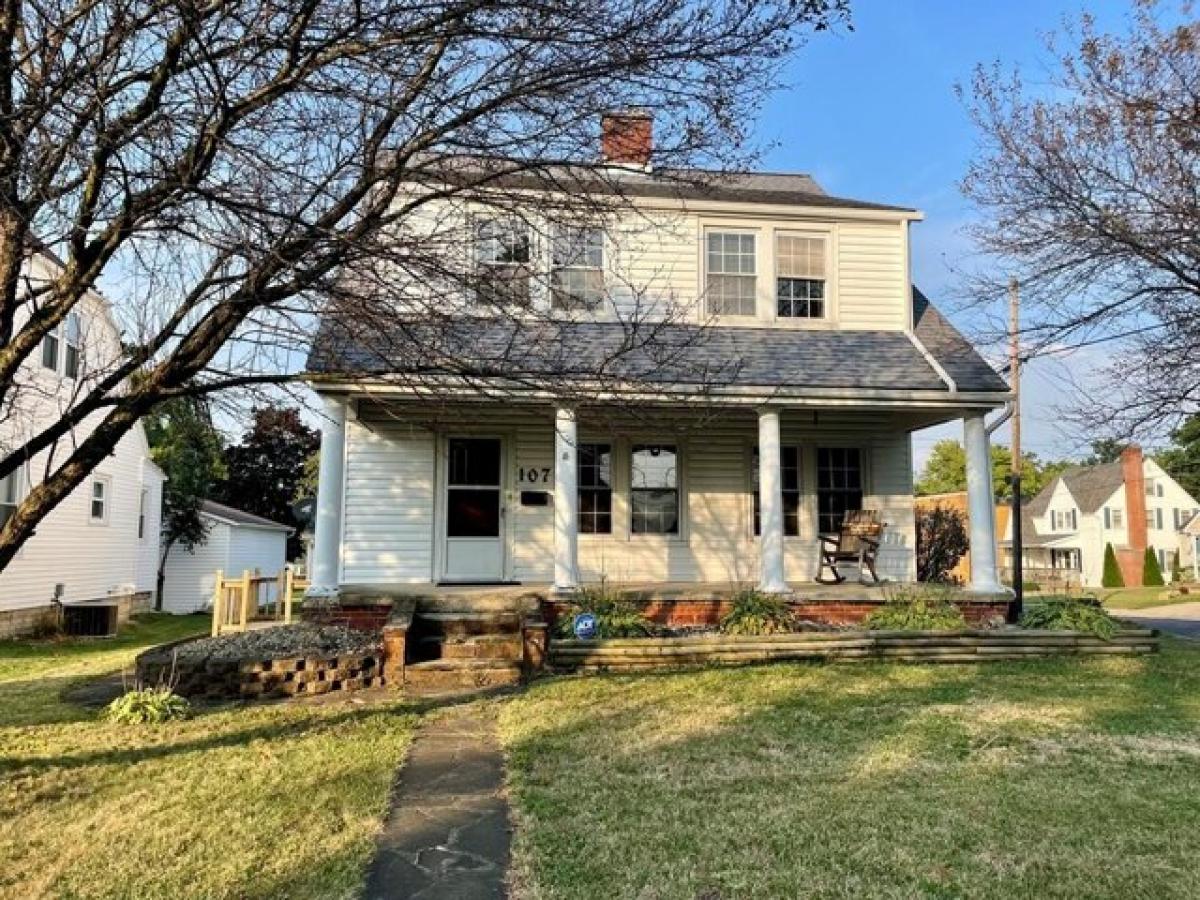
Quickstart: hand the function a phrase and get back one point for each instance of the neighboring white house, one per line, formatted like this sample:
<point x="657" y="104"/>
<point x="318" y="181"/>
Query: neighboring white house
<point x="491" y="479"/>
<point x="235" y="541"/>
<point x="101" y="542"/>
<point x="1131" y="503"/>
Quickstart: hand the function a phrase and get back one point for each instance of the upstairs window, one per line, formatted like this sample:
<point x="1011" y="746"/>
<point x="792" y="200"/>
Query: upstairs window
<point x="11" y="486"/>
<point x="50" y="344"/>
<point x="577" y="269"/>
<point x="595" y="489"/>
<point x="73" y="337"/>
<point x="98" y="507"/>
<point x="143" y="502"/>
<point x="1114" y="518"/>
<point x="1063" y="520"/>
<point x="1157" y="516"/>
<point x="789" y="470"/>
<point x="654" y="492"/>
<point x="731" y="288"/>
<point x="799" y="277"/>
<point x="839" y="486"/>
<point x="502" y="262"/>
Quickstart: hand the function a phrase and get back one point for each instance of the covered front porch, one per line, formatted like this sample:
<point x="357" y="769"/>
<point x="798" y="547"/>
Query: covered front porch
<point x="417" y="494"/>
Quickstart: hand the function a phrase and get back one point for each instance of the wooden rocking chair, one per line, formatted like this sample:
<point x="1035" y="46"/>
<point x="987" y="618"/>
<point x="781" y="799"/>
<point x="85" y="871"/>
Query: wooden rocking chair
<point x="857" y="542"/>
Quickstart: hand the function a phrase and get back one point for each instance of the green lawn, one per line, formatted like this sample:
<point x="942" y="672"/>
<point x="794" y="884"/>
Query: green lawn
<point x="279" y="800"/>
<point x="1140" y="597"/>
<point x="1041" y="779"/>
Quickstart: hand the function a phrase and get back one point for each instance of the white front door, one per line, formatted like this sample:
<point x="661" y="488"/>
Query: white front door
<point x="474" y="521"/>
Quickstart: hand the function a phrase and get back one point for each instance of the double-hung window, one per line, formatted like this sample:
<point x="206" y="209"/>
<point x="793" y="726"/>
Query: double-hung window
<point x="10" y="494"/>
<point x="839" y="485"/>
<point x="98" y="507"/>
<point x="577" y="268"/>
<point x="50" y="345"/>
<point x="73" y="337"/>
<point x="1114" y="518"/>
<point x="789" y="470"/>
<point x="731" y="268"/>
<point x="502" y="262"/>
<point x="654" y="489"/>
<point x="799" y="276"/>
<point x="595" y="488"/>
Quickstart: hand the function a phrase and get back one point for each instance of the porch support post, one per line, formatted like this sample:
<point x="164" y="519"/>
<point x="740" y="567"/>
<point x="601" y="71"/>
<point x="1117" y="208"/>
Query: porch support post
<point x="566" y="502"/>
<point x="981" y="507"/>
<point x="771" y="578"/>
<point x="327" y="529"/>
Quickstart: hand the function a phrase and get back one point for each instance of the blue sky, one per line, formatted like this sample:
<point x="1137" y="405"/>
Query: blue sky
<point x="873" y="114"/>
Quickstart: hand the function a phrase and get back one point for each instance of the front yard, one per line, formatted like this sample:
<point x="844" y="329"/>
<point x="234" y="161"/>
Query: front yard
<point x="1140" y="597"/>
<point x="239" y="801"/>
<point x="1064" y="778"/>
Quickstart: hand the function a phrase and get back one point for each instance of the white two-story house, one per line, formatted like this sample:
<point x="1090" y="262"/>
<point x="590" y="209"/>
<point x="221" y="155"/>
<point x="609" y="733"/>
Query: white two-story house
<point x="102" y="541"/>
<point x="1132" y="504"/>
<point x="791" y="361"/>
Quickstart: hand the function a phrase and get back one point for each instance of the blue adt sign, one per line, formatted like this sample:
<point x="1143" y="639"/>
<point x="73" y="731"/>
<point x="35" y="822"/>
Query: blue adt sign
<point x="585" y="626"/>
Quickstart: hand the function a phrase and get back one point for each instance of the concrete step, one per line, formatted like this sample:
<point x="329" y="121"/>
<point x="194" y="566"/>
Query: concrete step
<point x="480" y="646"/>
<point x="456" y="673"/>
<point x="462" y="624"/>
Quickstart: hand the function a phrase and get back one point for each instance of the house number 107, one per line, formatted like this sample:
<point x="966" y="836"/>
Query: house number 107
<point x="533" y="475"/>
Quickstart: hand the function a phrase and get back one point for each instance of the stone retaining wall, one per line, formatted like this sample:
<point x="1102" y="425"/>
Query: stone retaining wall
<point x="289" y="676"/>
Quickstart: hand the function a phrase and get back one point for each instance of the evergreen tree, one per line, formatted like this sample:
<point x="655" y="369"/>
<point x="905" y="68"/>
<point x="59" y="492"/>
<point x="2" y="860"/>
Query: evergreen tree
<point x="1151" y="572"/>
<point x="1112" y="577"/>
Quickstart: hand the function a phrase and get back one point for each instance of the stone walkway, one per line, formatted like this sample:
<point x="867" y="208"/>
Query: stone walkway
<point x="447" y="834"/>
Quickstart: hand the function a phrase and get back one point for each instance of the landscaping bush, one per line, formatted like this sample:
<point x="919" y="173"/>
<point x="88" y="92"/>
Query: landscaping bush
<point x="754" y="612"/>
<point x="1112" y="577"/>
<point x="147" y="706"/>
<point x="1151" y="571"/>
<point x="616" y="616"/>
<point x="916" y="609"/>
<point x="1083" y="614"/>
<point x="941" y="542"/>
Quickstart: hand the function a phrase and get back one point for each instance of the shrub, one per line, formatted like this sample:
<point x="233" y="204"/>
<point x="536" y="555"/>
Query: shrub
<point x="616" y="616"/>
<point x="941" y="542"/>
<point x="1083" y="614"/>
<point x="754" y="612"/>
<point x="1112" y="577"/>
<point x="1151" y="571"/>
<point x="147" y="706"/>
<point x="916" y="609"/>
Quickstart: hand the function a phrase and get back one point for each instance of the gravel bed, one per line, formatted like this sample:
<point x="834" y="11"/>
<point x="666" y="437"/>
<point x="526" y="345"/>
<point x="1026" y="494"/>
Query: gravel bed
<point x="278" y="642"/>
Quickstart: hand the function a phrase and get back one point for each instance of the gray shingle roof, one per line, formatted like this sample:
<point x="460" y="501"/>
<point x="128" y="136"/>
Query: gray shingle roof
<point x="656" y="355"/>
<point x="239" y="517"/>
<point x="1089" y="485"/>
<point x="788" y="188"/>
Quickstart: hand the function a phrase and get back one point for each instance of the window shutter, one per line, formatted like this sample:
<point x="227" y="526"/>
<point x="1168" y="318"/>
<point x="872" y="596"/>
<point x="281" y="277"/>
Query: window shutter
<point x="1107" y="517"/>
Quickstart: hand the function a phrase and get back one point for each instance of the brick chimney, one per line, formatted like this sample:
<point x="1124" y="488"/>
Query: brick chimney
<point x="1132" y="559"/>
<point x="627" y="137"/>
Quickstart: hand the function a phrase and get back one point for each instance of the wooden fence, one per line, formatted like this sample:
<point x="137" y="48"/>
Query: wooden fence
<point x="249" y="598"/>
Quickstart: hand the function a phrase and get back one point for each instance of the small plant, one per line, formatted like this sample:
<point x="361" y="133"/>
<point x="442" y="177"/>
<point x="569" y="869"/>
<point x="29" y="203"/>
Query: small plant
<point x="1112" y="577"/>
<point x="917" y="609"/>
<point x="616" y="616"/>
<point x="1084" y="614"/>
<point x="754" y="612"/>
<point x="147" y="706"/>
<point x="1151" y="571"/>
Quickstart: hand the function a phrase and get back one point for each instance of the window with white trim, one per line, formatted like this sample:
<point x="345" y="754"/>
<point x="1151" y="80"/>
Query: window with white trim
<point x="799" y="276"/>
<point x="1114" y="518"/>
<point x="1157" y="515"/>
<point x="98" y="503"/>
<point x="789" y="471"/>
<point x="143" y="503"/>
<point x="502" y="261"/>
<point x="839" y="486"/>
<point x="50" y="345"/>
<point x="73" y="335"/>
<point x="654" y="489"/>
<point x="577" y="268"/>
<point x="12" y="489"/>
<point x="731" y="273"/>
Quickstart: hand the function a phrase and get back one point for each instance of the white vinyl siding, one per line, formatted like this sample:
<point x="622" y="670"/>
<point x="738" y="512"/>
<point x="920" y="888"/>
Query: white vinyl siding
<point x="389" y="504"/>
<point x="873" y="288"/>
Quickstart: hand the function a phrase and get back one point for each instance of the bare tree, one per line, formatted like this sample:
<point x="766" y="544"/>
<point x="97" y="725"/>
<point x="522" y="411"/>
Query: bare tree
<point x="240" y="167"/>
<point x="1089" y="182"/>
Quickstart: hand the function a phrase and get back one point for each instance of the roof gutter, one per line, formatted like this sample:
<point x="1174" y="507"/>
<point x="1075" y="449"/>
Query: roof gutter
<point x="1010" y="407"/>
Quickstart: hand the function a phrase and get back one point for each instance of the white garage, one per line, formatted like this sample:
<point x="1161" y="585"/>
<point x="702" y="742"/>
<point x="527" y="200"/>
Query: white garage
<point x="236" y="541"/>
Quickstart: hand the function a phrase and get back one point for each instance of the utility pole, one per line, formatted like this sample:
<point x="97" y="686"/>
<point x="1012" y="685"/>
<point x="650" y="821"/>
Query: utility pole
<point x="1014" y="369"/>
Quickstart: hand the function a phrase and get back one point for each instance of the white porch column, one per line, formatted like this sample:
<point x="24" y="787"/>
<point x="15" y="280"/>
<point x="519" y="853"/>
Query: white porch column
<point x="981" y="506"/>
<point x="770" y="505"/>
<point x="566" y="502"/>
<point x="327" y="529"/>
